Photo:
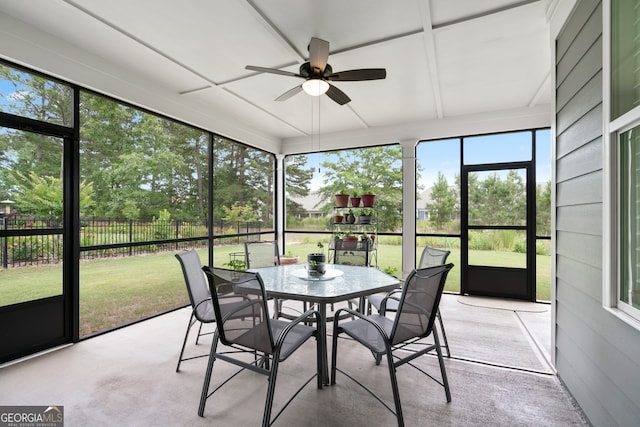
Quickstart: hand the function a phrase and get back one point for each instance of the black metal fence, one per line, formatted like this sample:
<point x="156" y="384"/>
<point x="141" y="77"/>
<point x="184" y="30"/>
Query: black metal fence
<point x="30" y="241"/>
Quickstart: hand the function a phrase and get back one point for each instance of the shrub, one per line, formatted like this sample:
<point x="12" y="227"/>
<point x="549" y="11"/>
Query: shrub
<point x="520" y="248"/>
<point x="506" y="238"/>
<point x="480" y="241"/>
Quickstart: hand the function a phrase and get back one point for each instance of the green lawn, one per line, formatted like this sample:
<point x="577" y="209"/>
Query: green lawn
<point x="116" y="291"/>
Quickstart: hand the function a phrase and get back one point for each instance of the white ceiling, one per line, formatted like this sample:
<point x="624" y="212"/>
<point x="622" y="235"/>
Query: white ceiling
<point x="445" y="59"/>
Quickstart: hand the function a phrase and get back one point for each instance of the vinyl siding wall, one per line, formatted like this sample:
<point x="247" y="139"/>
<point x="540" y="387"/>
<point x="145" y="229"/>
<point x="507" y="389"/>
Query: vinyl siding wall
<point x="597" y="355"/>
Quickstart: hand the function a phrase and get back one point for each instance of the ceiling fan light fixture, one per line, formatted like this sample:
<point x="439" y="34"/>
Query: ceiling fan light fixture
<point x="315" y="87"/>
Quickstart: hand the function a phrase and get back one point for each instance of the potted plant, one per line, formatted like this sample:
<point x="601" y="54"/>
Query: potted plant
<point x="354" y="199"/>
<point x="338" y="218"/>
<point x="337" y="241"/>
<point x="364" y="216"/>
<point x="289" y="258"/>
<point x="368" y="198"/>
<point x="349" y="241"/>
<point x="350" y="218"/>
<point x="236" y="264"/>
<point x="367" y="241"/>
<point x="342" y="199"/>
<point x="317" y="262"/>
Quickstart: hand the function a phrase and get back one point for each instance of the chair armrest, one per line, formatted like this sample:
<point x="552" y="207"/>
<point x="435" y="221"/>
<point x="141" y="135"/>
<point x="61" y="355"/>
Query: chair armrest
<point x="362" y="317"/>
<point x="383" y="303"/>
<point x="296" y="322"/>
<point x="201" y="302"/>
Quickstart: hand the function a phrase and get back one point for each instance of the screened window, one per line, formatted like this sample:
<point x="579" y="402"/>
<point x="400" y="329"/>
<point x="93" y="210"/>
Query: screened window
<point x="34" y="97"/>
<point x="311" y="183"/>
<point x="622" y="282"/>
<point x="629" y="293"/>
<point x="497" y="148"/>
<point x="625" y="57"/>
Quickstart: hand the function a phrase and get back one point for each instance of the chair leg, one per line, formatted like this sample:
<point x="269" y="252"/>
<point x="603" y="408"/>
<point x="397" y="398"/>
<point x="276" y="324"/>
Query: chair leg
<point x="394" y="388"/>
<point x="378" y="358"/>
<point x="266" y="418"/>
<point x="334" y="353"/>
<point x="184" y="343"/>
<point x="199" y="333"/>
<point x="207" y="376"/>
<point x="277" y="308"/>
<point x="444" y="334"/>
<point x="443" y="371"/>
<point x="320" y="353"/>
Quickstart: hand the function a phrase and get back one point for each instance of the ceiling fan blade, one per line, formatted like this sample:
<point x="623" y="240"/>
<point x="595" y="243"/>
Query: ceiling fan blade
<point x="288" y="94"/>
<point x="337" y="95"/>
<point x="357" y="75"/>
<point x="272" y="71"/>
<point x="318" y="54"/>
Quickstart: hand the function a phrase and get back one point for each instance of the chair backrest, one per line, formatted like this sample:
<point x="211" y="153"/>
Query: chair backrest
<point x="239" y="301"/>
<point x="433" y="256"/>
<point x="419" y="303"/>
<point x="360" y="257"/>
<point x="263" y="253"/>
<point x="197" y="286"/>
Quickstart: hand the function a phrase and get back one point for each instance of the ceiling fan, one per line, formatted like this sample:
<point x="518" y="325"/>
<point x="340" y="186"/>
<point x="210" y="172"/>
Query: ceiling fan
<point x="317" y="74"/>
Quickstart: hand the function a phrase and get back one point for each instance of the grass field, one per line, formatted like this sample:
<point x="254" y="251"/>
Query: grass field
<point x="116" y="291"/>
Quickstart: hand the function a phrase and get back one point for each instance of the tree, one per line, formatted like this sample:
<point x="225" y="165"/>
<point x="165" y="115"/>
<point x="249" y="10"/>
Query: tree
<point x="497" y="201"/>
<point x="443" y="203"/>
<point x="543" y="209"/>
<point x="236" y="212"/>
<point x="41" y="99"/>
<point x="297" y="180"/>
<point x="41" y="197"/>
<point x="245" y="176"/>
<point x="141" y="163"/>
<point x="376" y="169"/>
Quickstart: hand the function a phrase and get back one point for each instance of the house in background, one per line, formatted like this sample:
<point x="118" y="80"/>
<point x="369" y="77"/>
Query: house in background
<point x="311" y="204"/>
<point x="423" y="199"/>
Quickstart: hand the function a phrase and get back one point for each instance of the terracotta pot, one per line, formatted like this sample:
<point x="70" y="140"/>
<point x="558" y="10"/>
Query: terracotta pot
<point x="350" y="242"/>
<point x="289" y="260"/>
<point x="338" y="219"/>
<point x="342" y="200"/>
<point x="355" y="202"/>
<point x="368" y="200"/>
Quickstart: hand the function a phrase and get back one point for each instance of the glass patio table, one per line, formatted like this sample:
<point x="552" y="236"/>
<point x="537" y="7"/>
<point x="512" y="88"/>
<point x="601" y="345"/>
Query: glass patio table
<point x="340" y="283"/>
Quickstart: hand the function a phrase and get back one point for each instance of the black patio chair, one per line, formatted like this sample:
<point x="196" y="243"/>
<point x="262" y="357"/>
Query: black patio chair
<point x="414" y="320"/>
<point x="261" y="253"/>
<point x="359" y="257"/>
<point x="430" y="257"/>
<point x="239" y="301"/>
<point x="265" y="253"/>
<point x="201" y="305"/>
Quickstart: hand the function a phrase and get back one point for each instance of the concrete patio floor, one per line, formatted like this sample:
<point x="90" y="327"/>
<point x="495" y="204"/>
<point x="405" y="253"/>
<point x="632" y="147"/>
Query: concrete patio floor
<point x="499" y="373"/>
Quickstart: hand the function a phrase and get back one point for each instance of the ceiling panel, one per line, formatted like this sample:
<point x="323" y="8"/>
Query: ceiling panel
<point x="481" y="56"/>
<point x="345" y="24"/>
<point x="512" y="69"/>
<point x="198" y="34"/>
<point x="405" y="94"/>
<point x="93" y="36"/>
<point x="445" y="12"/>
